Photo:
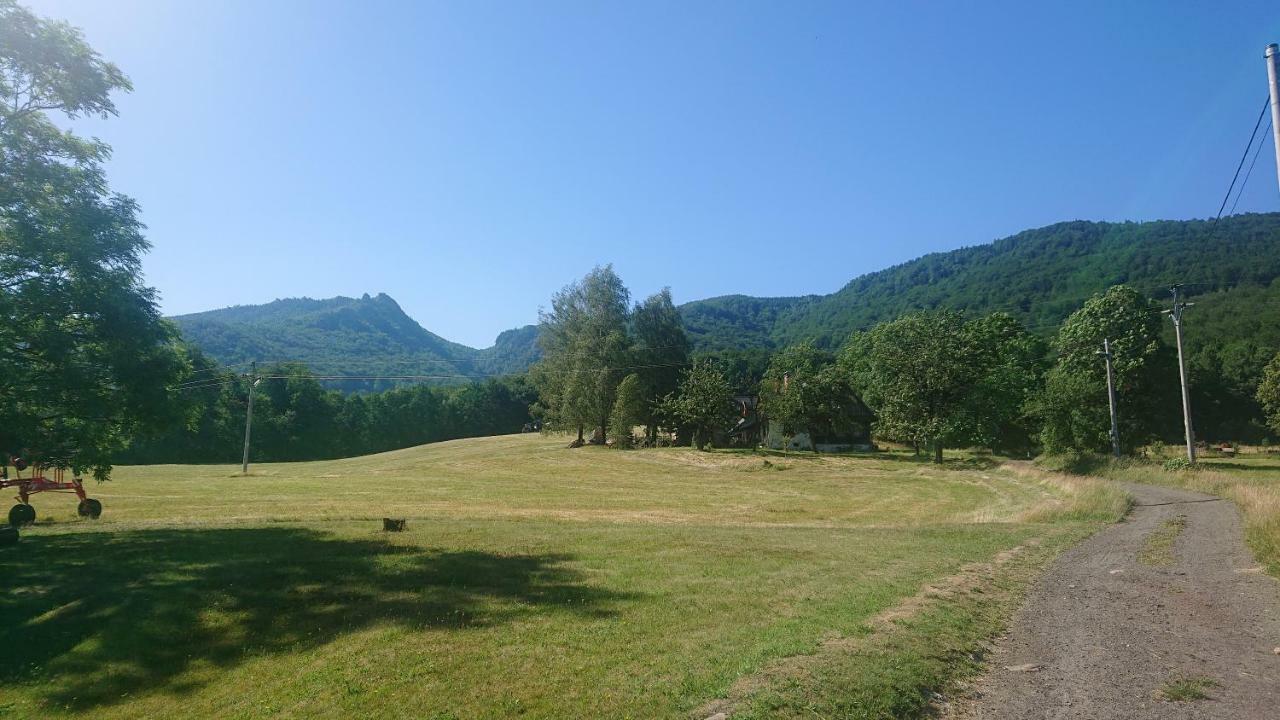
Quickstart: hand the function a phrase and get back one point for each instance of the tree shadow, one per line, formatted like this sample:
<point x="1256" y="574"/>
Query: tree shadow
<point x="95" y="617"/>
<point x="1251" y="466"/>
<point x="973" y="462"/>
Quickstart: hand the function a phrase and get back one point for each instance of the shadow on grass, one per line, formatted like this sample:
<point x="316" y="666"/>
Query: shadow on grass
<point x="93" y="617"/>
<point x="1250" y="466"/>
<point x="972" y="462"/>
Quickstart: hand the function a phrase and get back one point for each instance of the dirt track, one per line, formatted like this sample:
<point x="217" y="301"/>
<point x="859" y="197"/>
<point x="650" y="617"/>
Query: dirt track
<point x="1102" y="633"/>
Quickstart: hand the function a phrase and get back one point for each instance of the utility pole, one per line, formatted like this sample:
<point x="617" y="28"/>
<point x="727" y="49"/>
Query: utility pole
<point x="1111" y="398"/>
<point x="1176" y="315"/>
<point x="1272" y="56"/>
<point x="248" y="418"/>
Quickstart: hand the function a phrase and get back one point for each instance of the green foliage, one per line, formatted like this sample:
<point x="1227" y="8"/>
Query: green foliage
<point x="295" y="418"/>
<point x="585" y="348"/>
<point x="1178" y="463"/>
<point x="1011" y="374"/>
<point x="590" y="339"/>
<point x="631" y="408"/>
<point x="804" y="391"/>
<point x="744" y="369"/>
<point x="703" y="405"/>
<point x="935" y="380"/>
<point x="1073" y="407"/>
<point x="1269" y="393"/>
<point x="660" y="353"/>
<point x="1039" y="276"/>
<point x="85" y="359"/>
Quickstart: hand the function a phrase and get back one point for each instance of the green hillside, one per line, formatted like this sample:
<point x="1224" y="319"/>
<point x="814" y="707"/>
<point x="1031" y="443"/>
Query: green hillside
<point x="350" y="336"/>
<point x="1039" y="275"/>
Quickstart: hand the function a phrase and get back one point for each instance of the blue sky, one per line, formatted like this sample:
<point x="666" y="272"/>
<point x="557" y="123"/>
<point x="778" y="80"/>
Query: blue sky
<point x="470" y="158"/>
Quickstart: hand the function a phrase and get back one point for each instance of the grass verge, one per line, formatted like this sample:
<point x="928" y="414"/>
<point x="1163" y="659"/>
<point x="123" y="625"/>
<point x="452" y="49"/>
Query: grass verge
<point x="900" y="667"/>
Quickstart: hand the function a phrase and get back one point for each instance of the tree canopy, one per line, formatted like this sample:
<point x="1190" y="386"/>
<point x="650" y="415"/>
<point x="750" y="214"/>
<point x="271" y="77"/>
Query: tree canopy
<point x="1073" y="407"/>
<point x="702" y="405"/>
<point x="85" y="359"/>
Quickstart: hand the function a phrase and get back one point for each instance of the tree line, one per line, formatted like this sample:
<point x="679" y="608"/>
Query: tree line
<point x="932" y="379"/>
<point x="296" y="418"/>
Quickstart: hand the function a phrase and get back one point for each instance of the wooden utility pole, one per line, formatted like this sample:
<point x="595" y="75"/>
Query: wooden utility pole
<point x="1272" y="56"/>
<point x="1176" y="315"/>
<point x="1111" y="398"/>
<point x="248" y="418"/>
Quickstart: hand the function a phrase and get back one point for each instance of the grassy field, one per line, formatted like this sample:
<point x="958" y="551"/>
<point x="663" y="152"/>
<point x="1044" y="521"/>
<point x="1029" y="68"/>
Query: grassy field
<point x="1251" y="480"/>
<point x="532" y="580"/>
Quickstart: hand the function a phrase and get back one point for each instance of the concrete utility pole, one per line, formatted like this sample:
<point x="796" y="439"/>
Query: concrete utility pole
<point x="1272" y="56"/>
<point x="248" y="418"/>
<point x="1176" y="315"/>
<point x="1111" y="398"/>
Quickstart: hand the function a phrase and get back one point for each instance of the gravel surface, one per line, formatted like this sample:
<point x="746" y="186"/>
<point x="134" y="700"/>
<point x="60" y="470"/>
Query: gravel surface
<point x="1102" y="634"/>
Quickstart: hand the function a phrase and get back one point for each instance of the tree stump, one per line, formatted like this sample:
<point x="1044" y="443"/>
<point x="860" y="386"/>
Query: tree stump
<point x="393" y="524"/>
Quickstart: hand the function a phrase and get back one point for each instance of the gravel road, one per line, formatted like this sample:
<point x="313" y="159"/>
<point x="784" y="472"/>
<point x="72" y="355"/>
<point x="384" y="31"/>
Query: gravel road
<point x="1102" y="633"/>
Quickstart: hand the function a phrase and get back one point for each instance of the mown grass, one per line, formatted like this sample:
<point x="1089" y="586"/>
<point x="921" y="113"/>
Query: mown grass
<point x="532" y="581"/>
<point x="1251" y="481"/>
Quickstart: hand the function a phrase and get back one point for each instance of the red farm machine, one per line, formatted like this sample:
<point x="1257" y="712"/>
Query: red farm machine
<point x="38" y="479"/>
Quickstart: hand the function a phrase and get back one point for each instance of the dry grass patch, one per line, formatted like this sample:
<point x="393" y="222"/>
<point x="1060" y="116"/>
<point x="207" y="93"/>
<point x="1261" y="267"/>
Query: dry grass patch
<point x="1157" y="549"/>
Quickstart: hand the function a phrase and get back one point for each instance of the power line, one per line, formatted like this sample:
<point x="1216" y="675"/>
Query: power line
<point x="1261" y="142"/>
<point x="1266" y="103"/>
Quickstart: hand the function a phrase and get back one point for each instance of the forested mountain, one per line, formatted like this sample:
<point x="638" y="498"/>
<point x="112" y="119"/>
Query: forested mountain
<point x="366" y="336"/>
<point x="1039" y="276"/>
<point x="1230" y="268"/>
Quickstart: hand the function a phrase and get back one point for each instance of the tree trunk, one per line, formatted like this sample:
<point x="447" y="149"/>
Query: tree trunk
<point x="937" y="452"/>
<point x="604" y="430"/>
<point x="579" y="433"/>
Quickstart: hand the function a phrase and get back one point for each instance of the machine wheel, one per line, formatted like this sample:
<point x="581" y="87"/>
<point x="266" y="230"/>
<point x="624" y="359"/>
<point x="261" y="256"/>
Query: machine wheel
<point x="8" y="535"/>
<point x="21" y="515"/>
<point x="90" y="508"/>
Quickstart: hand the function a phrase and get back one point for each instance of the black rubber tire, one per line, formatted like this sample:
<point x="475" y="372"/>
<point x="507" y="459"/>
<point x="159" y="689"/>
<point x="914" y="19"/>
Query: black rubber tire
<point x="21" y="514"/>
<point x="8" y="535"/>
<point x="90" y="508"/>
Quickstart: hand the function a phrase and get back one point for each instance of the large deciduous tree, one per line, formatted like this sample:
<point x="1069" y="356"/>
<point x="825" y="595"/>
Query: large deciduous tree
<point x="585" y="349"/>
<point x="1011" y="365"/>
<point x="703" y="403"/>
<point x="917" y="373"/>
<point x="1073" y="407"/>
<point x="804" y="391"/>
<point x="936" y="379"/>
<point x="660" y="352"/>
<point x="85" y="358"/>
<point x="1269" y="393"/>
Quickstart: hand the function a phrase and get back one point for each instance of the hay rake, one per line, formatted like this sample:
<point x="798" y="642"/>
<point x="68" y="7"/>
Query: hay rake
<point x="42" y="479"/>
